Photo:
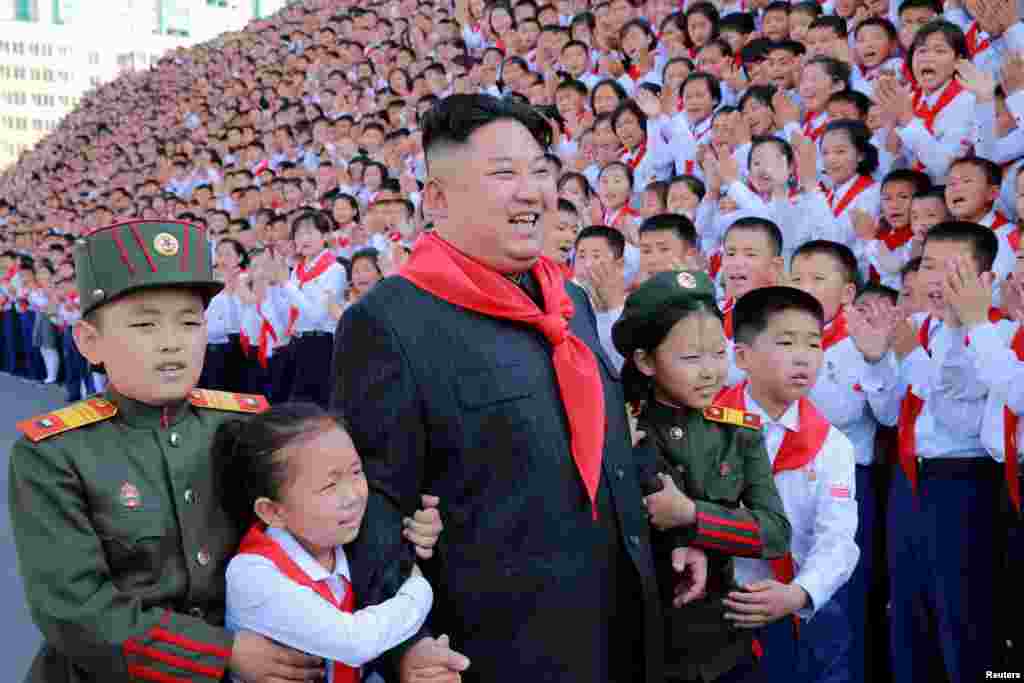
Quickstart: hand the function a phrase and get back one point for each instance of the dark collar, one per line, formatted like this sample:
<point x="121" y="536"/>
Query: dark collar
<point x="144" y="416"/>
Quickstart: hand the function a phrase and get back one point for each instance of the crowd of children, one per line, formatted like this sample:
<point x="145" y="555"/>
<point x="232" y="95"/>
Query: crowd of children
<point x="846" y="174"/>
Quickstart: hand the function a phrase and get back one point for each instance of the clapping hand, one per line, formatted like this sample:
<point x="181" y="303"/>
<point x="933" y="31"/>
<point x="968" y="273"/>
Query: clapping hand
<point x="979" y="82"/>
<point x="763" y="602"/>
<point x="864" y="224"/>
<point x="609" y="284"/>
<point x="1013" y="73"/>
<point x="968" y="294"/>
<point x="786" y="110"/>
<point x="691" y="564"/>
<point x="872" y="325"/>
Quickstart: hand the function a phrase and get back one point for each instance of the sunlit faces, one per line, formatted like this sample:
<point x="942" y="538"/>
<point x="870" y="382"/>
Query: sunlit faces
<point x="673" y="76"/>
<point x="840" y="156"/>
<point x="628" y="130"/>
<point x="968" y="193"/>
<point x="748" y="261"/>
<point x="614" y="187"/>
<point x="873" y="46"/>
<point x="636" y="43"/>
<point x="651" y="202"/>
<point x="816" y="86"/>
<point x="821" y="40"/>
<point x="782" y="68"/>
<point x="935" y="263"/>
<point x="490" y="193"/>
<point x="682" y="199"/>
<point x="698" y="100"/>
<point x="673" y="38"/>
<point x="365" y="274"/>
<point x="783" y="361"/>
<point x="605" y="99"/>
<point x="560" y="235"/>
<point x="768" y="164"/>
<point x="569" y="102"/>
<point x="575" y="60"/>
<point x="775" y="25"/>
<point x="911" y="20"/>
<point x="934" y="62"/>
<point x="593" y="251"/>
<point x="926" y="213"/>
<point x="662" y="250"/>
<point x="821" y="276"/>
<point x="841" y="109"/>
<point x="759" y="116"/>
<point x="151" y="343"/>
<point x="700" y="29"/>
<point x="711" y="60"/>
<point x="324" y="498"/>
<point x="690" y="364"/>
<point x="896" y="196"/>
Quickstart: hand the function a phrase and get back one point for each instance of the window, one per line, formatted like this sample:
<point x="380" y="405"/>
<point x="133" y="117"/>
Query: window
<point x="26" y="10"/>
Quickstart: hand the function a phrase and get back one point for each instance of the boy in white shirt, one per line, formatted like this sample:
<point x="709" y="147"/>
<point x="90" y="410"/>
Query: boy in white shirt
<point x="778" y="343"/>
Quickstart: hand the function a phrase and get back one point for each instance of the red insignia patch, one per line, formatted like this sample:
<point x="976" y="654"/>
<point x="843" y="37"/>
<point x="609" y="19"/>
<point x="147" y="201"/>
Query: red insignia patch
<point x="130" y="497"/>
<point x="838" y="491"/>
<point x="724" y="469"/>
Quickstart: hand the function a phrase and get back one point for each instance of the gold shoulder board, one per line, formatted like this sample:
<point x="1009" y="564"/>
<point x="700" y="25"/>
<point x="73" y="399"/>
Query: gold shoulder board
<point x="77" y="415"/>
<point x="732" y="416"/>
<point x="225" y="400"/>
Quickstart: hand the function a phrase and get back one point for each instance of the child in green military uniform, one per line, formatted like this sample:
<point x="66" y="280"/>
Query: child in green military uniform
<point x="714" y="488"/>
<point x="121" y="537"/>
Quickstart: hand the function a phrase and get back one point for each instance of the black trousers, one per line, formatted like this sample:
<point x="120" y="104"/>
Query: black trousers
<point x="312" y="361"/>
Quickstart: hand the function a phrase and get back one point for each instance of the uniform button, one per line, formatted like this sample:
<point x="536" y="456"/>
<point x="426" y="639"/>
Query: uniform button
<point x="676" y="433"/>
<point x="635" y="540"/>
<point x="174" y="439"/>
<point x="680" y="468"/>
<point x="190" y="496"/>
<point x="203" y="558"/>
<point x="620" y="473"/>
<point x="197" y="612"/>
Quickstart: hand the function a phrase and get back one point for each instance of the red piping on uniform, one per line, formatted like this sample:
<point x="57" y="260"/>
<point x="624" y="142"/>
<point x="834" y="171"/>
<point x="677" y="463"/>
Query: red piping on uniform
<point x="725" y="535"/>
<point x="147" y="674"/>
<point x="165" y="421"/>
<point x="723" y="521"/>
<point x="167" y="658"/>
<point x="184" y="247"/>
<point x="124" y="252"/>
<point x="142" y="246"/>
<point x="181" y="641"/>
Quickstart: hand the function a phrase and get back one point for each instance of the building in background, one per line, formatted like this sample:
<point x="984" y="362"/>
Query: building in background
<point x="53" y="51"/>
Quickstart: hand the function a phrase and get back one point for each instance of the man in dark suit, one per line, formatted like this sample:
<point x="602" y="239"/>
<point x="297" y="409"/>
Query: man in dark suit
<point x="477" y="375"/>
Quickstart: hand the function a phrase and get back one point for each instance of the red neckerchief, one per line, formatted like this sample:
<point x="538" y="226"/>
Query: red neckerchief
<point x="863" y="183"/>
<point x="267" y="334"/>
<point x="908" y="76"/>
<point x="438" y="268"/>
<point x="998" y="220"/>
<point x="320" y="266"/>
<point x="912" y="405"/>
<point x="727" y="307"/>
<point x="810" y="130"/>
<point x="798" y="449"/>
<point x="257" y="542"/>
<point x="895" y="237"/>
<point x="1010" y="424"/>
<point x="698" y="136"/>
<point x="634" y="158"/>
<point x="715" y="263"/>
<point x="928" y="114"/>
<point x="835" y="332"/>
<point x="973" y="46"/>
<point x="9" y="275"/>
<point x="612" y="219"/>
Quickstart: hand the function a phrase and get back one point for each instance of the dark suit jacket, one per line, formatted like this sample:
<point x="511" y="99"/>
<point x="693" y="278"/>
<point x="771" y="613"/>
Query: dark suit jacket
<point x="467" y="407"/>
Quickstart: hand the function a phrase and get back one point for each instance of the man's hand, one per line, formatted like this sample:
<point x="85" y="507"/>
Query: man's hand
<point x="905" y="338"/>
<point x="609" y="282"/>
<point x="968" y="293"/>
<point x="895" y="99"/>
<point x="424" y="528"/>
<point x="670" y="508"/>
<point x="786" y="110"/>
<point x="1013" y="73"/>
<point x="979" y="82"/>
<point x="691" y="564"/>
<point x="432" y="661"/>
<point x="864" y="224"/>
<point x="256" y="659"/>
<point x="763" y="602"/>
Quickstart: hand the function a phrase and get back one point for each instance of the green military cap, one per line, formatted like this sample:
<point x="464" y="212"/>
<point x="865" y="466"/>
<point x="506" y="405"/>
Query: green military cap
<point x="125" y="257"/>
<point x="645" y="311"/>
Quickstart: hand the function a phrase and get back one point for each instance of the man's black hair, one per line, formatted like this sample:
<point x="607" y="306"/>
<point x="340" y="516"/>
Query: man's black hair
<point x="911" y="266"/>
<point x="681" y="226"/>
<point x="741" y="22"/>
<point x="615" y="239"/>
<point x="567" y="206"/>
<point x="763" y="226"/>
<point x="755" y="309"/>
<point x="838" y="252"/>
<point x="983" y="243"/>
<point x="454" y="119"/>
<point x="831" y="21"/>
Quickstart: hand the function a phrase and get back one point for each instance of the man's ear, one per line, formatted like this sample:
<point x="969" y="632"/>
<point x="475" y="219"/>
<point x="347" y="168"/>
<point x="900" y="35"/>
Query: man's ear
<point x="435" y="199"/>
<point x="849" y="294"/>
<point x="269" y="512"/>
<point x="644" y="362"/>
<point x="779" y="269"/>
<point x="87" y="339"/>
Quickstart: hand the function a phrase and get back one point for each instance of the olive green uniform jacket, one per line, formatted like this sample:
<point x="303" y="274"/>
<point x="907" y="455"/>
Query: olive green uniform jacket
<point x="725" y="469"/>
<point x="121" y="541"/>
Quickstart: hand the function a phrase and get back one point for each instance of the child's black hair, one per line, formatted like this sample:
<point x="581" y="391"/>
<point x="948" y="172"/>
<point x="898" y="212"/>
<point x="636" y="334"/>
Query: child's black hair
<point x="695" y="184"/>
<point x="838" y="252"/>
<point x="754" y="310"/>
<point x="243" y="256"/>
<point x="855" y="97"/>
<point x="911" y="266"/>
<point x="993" y="171"/>
<point x="875" y="289"/>
<point x="982" y="241"/>
<point x="859" y="136"/>
<point x="615" y="239"/>
<point x="679" y="225"/>
<point x="247" y="456"/>
<point x="920" y="181"/>
<point x="763" y="226"/>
